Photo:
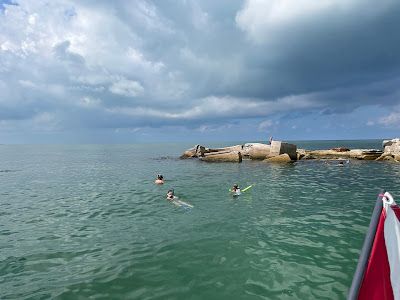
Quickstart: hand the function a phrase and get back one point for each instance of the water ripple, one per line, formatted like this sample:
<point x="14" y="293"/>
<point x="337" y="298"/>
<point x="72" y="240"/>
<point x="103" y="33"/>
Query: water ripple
<point x="88" y="222"/>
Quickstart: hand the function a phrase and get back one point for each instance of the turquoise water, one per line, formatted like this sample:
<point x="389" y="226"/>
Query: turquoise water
<point x="84" y="221"/>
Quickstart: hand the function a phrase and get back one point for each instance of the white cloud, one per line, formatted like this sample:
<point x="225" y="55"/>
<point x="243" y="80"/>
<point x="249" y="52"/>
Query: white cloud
<point x="205" y="128"/>
<point x="200" y="18"/>
<point x="45" y="121"/>
<point x="27" y="83"/>
<point x="128" y="88"/>
<point x="370" y="123"/>
<point x="222" y="107"/>
<point x="138" y="59"/>
<point x="392" y="120"/>
<point x="265" y="125"/>
<point x="89" y="102"/>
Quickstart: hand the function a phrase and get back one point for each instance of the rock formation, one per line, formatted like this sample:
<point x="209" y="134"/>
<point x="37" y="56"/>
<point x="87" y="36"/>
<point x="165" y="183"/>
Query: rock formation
<point x="223" y="156"/>
<point x="281" y="158"/>
<point x="278" y="148"/>
<point x="285" y="152"/>
<point x="362" y="154"/>
<point x="236" y="153"/>
<point x="391" y="150"/>
<point x="258" y="151"/>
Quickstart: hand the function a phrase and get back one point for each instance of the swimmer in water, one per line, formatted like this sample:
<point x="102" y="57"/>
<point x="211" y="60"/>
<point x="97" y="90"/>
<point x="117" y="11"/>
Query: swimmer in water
<point x="159" y="180"/>
<point x="170" y="195"/>
<point x="235" y="189"/>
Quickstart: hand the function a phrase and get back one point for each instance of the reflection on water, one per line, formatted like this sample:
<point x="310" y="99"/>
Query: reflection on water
<point x="80" y="221"/>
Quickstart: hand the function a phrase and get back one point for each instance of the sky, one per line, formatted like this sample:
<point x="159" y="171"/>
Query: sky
<point x="183" y="70"/>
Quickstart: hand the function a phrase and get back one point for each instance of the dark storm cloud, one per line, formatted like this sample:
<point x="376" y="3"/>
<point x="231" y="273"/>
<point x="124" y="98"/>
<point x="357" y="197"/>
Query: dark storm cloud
<point x="113" y="64"/>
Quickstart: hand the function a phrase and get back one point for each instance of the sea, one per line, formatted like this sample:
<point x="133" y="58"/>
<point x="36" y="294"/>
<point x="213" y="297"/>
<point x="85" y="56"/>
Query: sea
<point x="88" y="222"/>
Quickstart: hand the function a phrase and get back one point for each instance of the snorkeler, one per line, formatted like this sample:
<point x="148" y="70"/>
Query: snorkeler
<point x="159" y="180"/>
<point x="235" y="189"/>
<point x="174" y="200"/>
<point x="170" y="195"/>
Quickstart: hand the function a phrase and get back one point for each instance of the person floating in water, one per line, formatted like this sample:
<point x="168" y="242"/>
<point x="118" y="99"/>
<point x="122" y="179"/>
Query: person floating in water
<point x="235" y="189"/>
<point x="341" y="163"/>
<point x="170" y="195"/>
<point x="160" y="179"/>
<point x="174" y="199"/>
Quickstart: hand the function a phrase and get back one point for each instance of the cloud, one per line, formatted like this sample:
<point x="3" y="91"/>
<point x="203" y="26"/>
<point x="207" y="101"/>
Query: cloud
<point x="63" y="52"/>
<point x="89" y="102"/>
<point x="263" y="20"/>
<point x="265" y="125"/>
<point x="196" y="64"/>
<point x="128" y="88"/>
<point x="391" y="120"/>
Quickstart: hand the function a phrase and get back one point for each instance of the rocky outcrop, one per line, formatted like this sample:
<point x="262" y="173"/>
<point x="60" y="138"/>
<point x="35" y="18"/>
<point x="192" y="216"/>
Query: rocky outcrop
<point x="392" y="147"/>
<point x="223" y="156"/>
<point x="391" y="150"/>
<point x="278" y="148"/>
<point x="258" y="151"/>
<point x="190" y="153"/>
<point x="225" y="149"/>
<point x="282" y="158"/>
<point x="386" y="157"/>
<point x="340" y="149"/>
<point x="362" y="154"/>
<point x="301" y="153"/>
<point x="255" y="151"/>
<point x="325" y="154"/>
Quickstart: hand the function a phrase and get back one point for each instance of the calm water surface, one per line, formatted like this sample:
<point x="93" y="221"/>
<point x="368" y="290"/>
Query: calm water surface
<point x="87" y="221"/>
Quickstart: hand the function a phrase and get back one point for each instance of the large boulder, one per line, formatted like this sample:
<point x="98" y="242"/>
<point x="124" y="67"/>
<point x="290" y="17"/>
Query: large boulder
<point x="200" y="151"/>
<point x="196" y="151"/>
<point x="301" y="153"/>
<point x="389" y="157"/>
<point x="307" y="156"/>
<point x="249" y="146"/>
<point x="356" y="153"/>
<point x="390" y="142"/>
<point x="278" y="148"/>
<point x="362" y="154"/>
<point x="340" y="149"/>
<point x="369" y="157"/>
<point x="190" y="153"/>
<point x="329" y="154"/>
<point x="226" y="149"/>
<point x="386" y="157"/>
<point x="228" y="156"/>
<point x="282" y="158"/>
<point x="259" y="151"/>
<point x="392" y="146"/>
<point x="369" y="154"/>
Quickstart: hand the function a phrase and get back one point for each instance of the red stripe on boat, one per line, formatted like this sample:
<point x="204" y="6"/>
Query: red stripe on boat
<point x="376" y="283"/>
